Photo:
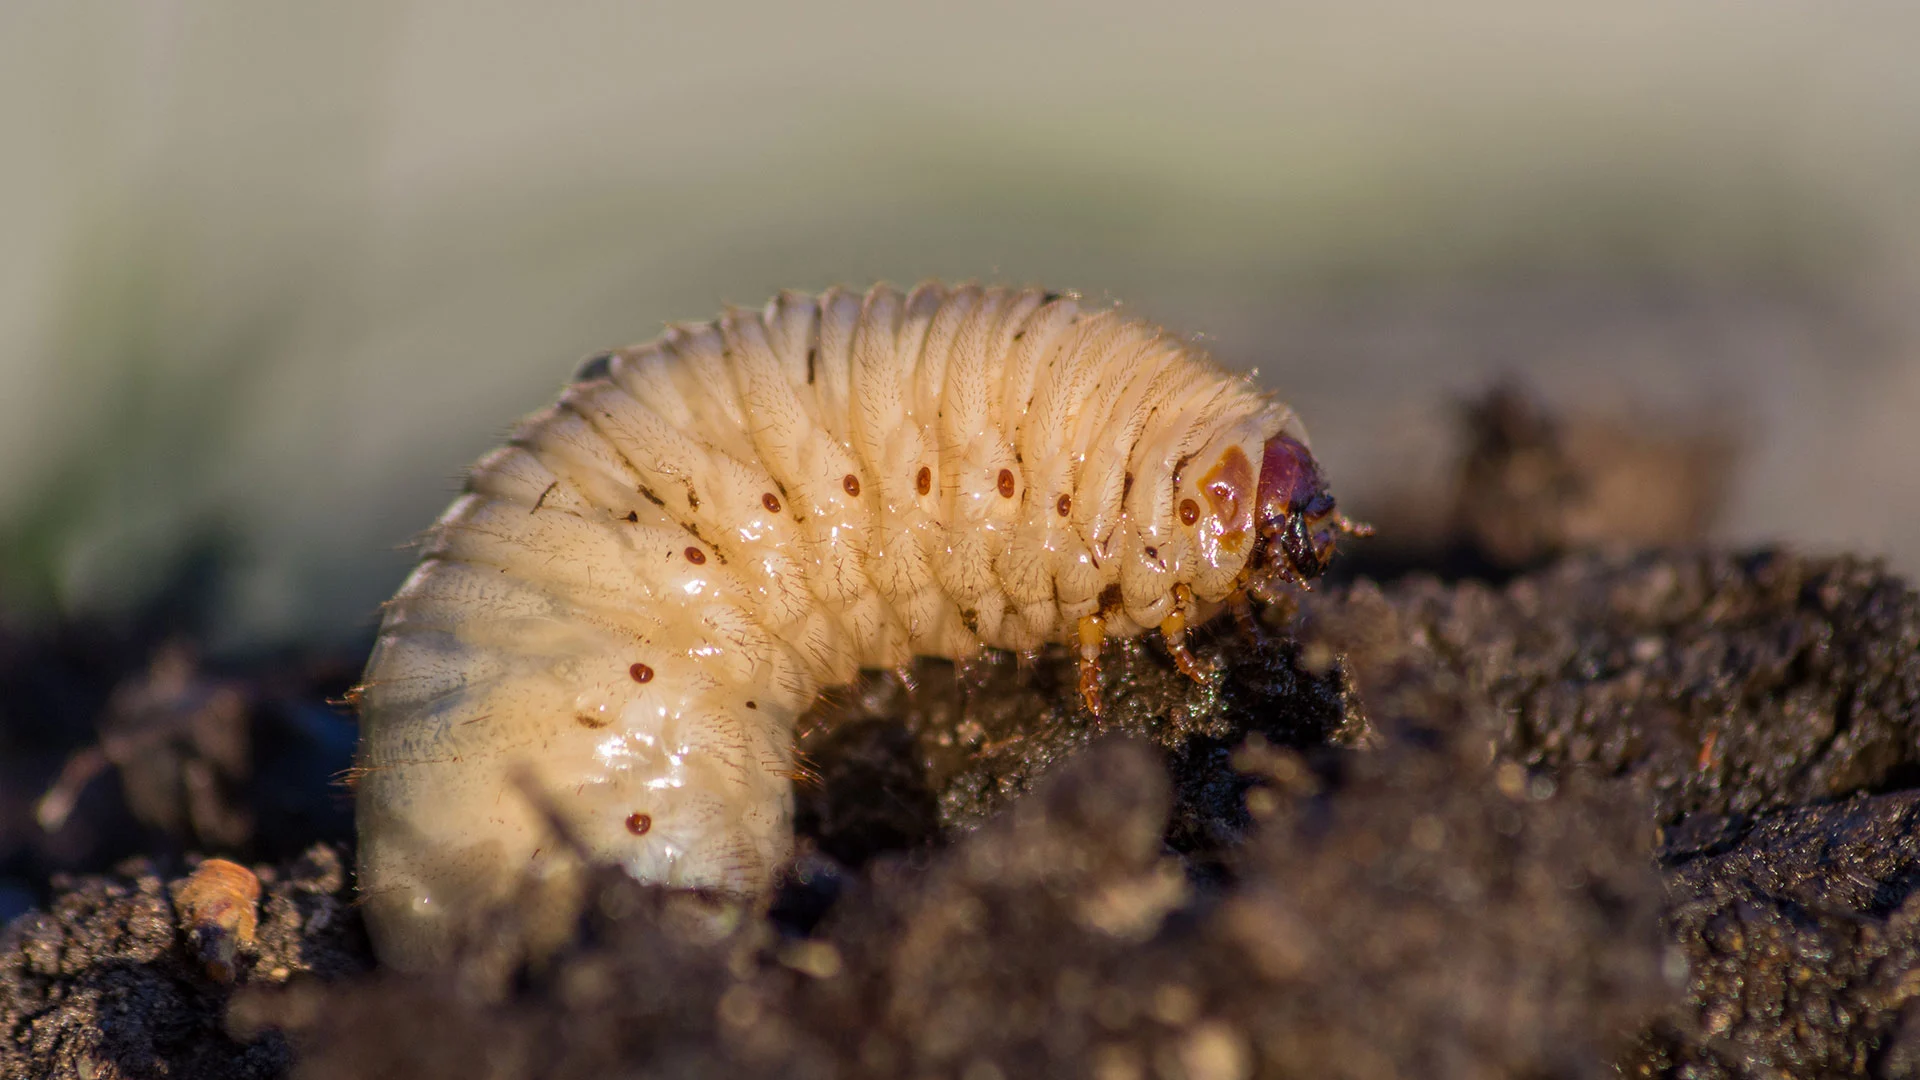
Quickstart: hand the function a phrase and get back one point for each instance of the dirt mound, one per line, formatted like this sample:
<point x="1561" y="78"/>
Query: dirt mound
<point x="1649" y="813"/>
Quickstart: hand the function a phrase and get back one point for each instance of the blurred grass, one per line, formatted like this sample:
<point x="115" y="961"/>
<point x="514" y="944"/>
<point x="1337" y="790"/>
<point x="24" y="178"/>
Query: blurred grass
<point x="274" y="276"/>
<point x="112" y="510"/>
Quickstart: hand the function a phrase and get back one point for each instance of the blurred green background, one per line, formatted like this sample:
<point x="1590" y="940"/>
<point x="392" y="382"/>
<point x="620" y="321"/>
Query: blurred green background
<point x="270" y="275"/>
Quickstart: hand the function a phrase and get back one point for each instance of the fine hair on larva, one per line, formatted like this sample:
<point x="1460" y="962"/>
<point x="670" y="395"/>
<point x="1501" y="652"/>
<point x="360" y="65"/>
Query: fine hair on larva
<point x="633" y="600"/>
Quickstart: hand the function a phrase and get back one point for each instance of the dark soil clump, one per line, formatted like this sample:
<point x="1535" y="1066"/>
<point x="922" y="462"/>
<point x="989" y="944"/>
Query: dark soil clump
<point x="106" y="984"/>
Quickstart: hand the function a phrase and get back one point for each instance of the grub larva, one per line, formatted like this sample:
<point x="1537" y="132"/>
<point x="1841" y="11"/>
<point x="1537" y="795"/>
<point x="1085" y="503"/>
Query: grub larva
<point x="635" y="597"/>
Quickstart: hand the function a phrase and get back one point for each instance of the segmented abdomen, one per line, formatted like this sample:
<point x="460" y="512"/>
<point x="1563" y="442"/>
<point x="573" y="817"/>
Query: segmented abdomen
<point x="637" y="596"/>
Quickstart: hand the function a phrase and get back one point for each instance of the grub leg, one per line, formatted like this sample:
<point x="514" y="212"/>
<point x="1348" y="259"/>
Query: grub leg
<point x="1174" y="630"/>
<point x="1093" y="634"/>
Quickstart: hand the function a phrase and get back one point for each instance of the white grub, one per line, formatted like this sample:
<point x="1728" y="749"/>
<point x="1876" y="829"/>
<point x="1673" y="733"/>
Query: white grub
<point x="637" y="596"/>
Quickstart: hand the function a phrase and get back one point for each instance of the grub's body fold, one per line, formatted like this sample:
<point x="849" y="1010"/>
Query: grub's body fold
<point x="621" y="619"/>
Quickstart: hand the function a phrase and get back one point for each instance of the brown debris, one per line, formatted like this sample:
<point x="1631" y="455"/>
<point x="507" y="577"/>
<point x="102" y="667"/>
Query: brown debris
<point x="1533" y="484"/>
<point x="217" y="914"/>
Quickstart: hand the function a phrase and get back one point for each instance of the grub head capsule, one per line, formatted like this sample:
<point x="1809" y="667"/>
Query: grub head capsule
<point x="1294" y="514"/>
<point x="1257" y="511"/>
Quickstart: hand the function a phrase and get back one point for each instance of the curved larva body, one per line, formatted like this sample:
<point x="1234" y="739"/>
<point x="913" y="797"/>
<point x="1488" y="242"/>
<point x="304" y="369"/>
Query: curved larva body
<point x="637" y="596"/>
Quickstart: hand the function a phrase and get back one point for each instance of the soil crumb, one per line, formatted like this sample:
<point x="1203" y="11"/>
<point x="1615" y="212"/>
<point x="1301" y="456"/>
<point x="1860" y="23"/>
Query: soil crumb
<point x="108" y="981"/>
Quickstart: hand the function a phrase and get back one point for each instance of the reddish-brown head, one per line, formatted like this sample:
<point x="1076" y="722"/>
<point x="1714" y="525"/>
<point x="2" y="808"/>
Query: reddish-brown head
<point x="1294" y="514"/>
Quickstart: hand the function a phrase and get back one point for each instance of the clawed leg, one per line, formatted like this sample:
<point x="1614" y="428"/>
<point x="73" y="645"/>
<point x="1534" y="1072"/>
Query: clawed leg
<point x="1174" y="629"/>
<point x="1093" y="634"/>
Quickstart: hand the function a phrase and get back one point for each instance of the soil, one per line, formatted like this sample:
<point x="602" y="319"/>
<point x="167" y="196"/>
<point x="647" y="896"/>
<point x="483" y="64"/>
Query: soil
<point x="1550" y="809"/>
